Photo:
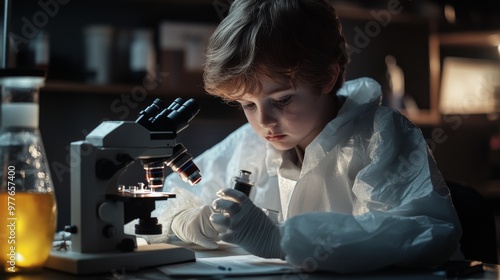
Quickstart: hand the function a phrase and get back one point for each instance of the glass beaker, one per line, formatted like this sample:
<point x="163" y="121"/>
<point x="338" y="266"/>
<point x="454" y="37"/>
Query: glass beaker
<point x="27" y="199"/>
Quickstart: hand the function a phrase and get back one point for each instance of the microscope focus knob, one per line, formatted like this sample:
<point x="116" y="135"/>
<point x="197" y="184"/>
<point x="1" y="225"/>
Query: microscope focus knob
<point x="109" y="231"/>
<point x="126" y="245"/>
<point x="109" y="211"/>
<point x="71" y="229"/>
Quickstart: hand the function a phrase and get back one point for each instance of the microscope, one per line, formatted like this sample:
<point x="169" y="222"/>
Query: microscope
<point x="100" y="208"/>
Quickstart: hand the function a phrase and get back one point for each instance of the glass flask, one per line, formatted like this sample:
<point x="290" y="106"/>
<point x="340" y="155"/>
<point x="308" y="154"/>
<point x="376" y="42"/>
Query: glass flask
<point x="27" y="199"/>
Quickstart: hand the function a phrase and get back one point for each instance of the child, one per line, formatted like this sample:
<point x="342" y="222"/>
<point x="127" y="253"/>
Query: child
<point x="355" y="183"/>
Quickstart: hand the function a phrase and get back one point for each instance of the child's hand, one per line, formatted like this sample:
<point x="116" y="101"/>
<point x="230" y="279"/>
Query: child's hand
<point x="193" y="225"/>
<point x="249" y="227"/>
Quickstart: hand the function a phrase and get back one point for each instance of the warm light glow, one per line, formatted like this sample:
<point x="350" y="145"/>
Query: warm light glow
<point x="449" y="14"/>
<point x="31" y="234"/>
<point x="494" y="39"/>
<point x="498" y="47"/>
<point x="468" y="86"/>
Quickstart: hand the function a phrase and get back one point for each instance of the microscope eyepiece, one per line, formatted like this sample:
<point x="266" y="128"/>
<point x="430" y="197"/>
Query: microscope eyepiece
<point x="175" y="104"/>
<point x="174" y="118"/>
<point x="146" y="115"/>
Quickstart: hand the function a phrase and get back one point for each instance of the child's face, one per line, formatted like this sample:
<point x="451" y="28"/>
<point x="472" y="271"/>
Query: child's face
<point x="287" y="117"/>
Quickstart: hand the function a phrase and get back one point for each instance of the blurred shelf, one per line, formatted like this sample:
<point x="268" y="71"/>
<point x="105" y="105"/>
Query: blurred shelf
<point x="349" y="11"/>
<point x="344" y="9"/>
<point x="482" y="39"/>
<point x="490" y="189"/>
<point x="80" y="87"/>
<point x="453" y="40"/>
<point x="192" y="84"/>
<point x="70" y="87"/>
<point x="423" y="117"/>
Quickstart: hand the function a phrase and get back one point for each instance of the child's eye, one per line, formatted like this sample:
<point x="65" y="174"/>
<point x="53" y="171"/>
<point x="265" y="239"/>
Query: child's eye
<point x="248" y="106"/>
<point x="282" y="102"/>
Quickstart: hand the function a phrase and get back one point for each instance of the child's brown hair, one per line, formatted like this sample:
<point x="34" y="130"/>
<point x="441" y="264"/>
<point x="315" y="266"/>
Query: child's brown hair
<point x="287" y="41"/>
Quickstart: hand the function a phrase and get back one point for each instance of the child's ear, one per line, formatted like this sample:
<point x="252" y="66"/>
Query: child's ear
<point x="333" y="70"/>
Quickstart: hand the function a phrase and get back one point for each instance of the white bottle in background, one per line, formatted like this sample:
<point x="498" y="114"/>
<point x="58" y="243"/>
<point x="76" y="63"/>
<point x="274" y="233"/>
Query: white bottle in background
<point x="142" y="58"/>
<point x="396" y="80"/>
<point x="40" y="50"/>
<point x="98" y="48"/>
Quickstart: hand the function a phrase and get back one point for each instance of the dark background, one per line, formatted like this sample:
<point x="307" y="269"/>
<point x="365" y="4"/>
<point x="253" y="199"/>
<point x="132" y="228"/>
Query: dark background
<point x="68" y="113"/>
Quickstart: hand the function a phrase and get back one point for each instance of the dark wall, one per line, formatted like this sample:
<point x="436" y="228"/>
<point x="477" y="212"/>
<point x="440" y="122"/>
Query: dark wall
<point x="461" y="146"/>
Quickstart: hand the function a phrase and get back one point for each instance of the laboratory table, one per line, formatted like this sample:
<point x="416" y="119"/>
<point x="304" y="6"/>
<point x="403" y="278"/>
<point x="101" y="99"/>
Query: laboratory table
<point x="491" y="271"/>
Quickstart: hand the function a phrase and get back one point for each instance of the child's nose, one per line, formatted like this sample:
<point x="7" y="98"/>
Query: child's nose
<point x="267" y="118"/>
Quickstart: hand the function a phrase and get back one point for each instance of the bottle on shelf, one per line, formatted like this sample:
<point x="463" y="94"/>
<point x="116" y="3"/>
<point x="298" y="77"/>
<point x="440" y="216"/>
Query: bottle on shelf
<point x="142" y="64"/>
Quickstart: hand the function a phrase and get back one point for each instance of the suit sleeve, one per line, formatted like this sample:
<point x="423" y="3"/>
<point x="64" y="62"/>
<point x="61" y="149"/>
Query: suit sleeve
<point x="403" y="214"/>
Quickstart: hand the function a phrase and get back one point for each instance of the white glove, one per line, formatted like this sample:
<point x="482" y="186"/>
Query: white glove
<point x="194" y="226"/>
<point x="250" y="228"/>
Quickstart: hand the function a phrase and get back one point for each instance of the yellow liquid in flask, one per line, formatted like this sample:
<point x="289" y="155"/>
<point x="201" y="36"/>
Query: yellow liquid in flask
<point x="27" y="226"/>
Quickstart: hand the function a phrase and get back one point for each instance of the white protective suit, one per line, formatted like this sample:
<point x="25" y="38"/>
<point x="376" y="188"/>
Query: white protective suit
<point x="368" y="195"/>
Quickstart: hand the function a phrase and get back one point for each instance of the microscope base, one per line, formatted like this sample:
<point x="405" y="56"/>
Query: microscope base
<point x="144" y="256"/>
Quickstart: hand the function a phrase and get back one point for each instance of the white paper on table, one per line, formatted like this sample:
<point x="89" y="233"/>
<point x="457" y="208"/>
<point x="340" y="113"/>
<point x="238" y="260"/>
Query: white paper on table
<point x="229" y="265"/>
